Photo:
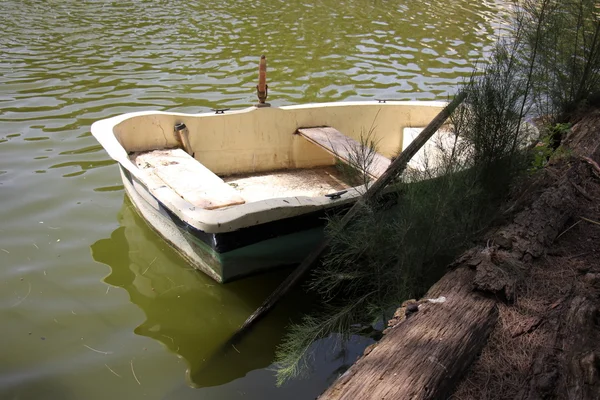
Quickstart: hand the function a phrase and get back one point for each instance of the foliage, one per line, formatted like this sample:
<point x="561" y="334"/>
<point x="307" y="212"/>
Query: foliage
<point x="395" y="246"/>
<point x="562" y="41"/>
<point x="545" y="148"/>
<point x="549" y="65"/>
<point x="383" y="257"/>
<point x="355" y="171"/>
<point x="490" y="121"/>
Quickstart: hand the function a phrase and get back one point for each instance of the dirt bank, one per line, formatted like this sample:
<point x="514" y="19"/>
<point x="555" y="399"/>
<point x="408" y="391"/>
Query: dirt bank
<point x="520" y="313"/>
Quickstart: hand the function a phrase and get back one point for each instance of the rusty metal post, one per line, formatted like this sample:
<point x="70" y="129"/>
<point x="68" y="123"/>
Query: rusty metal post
<point x="262" y="88"/>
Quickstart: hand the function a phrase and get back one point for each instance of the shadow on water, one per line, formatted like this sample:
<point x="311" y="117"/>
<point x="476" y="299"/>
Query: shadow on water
<point x="187" y="311"/>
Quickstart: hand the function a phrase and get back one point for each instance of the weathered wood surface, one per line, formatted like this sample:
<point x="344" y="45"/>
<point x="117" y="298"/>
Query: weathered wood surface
<point x="581" y="344"/>
<point x="347" y="149"/>
<point x="188" y="178"/>
<point x="424" y="356"/>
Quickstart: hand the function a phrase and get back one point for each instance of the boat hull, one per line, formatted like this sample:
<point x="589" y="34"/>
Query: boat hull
<point x="231" y="255"/>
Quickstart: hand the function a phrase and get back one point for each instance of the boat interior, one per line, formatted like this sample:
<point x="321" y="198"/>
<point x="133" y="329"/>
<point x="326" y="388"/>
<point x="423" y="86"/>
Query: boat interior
<point x="202" y="188"/>
<point x="215" y="161"/>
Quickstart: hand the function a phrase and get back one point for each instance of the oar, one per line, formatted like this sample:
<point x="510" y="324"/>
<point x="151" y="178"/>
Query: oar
<point x="394" y="169"/>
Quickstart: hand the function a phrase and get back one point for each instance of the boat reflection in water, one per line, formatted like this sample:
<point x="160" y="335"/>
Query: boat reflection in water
<point x="187" y="311"/>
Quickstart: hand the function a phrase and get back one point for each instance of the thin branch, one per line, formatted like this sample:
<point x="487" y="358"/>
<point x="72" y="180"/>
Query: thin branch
<point x="590" y="220"/>
<point x="133" y="372"/>
<point x="111" y="370"/>
<point x="23" y="299"/>
<point x="568" y="229"/>
<point x="97" y="351"/>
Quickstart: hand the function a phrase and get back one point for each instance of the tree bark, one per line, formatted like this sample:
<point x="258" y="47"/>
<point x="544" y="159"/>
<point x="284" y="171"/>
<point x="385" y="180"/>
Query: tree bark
<point x="422" y="357"/>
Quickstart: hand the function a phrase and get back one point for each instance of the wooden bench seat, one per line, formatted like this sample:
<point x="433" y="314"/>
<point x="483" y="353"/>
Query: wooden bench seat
<point x="188" y="178"/>
<point x="344" y="148"/>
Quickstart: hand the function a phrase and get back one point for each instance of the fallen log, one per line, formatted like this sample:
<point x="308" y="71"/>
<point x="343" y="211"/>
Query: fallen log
<point x="425" y="353"/>
<point x="582" y="378"/>
<point x="423" y="356"/>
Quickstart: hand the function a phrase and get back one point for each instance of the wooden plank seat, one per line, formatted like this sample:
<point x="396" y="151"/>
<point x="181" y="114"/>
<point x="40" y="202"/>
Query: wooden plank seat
<point x="345" y="148"/>
<point x="188" y="178"/>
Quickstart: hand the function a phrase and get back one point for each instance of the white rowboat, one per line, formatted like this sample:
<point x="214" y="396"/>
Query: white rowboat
<point x="238" y="192"/>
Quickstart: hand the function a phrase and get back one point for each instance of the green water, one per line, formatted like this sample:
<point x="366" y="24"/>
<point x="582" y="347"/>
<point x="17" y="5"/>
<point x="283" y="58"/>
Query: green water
<point x="93" y="305"/>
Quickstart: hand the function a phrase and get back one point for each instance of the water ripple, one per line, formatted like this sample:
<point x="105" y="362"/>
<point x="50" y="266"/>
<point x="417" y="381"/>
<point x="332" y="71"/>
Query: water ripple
<point x="66" y="64"/>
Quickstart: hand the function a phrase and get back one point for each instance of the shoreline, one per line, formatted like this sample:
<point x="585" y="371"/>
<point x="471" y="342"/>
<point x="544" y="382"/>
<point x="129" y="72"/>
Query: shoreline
<point x="521" y="311"/>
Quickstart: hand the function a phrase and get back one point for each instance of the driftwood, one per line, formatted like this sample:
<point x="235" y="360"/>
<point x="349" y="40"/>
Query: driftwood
<point x="425" y="353"/>
<point x="423" y="356"/>
<point x="395" y="168"/>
